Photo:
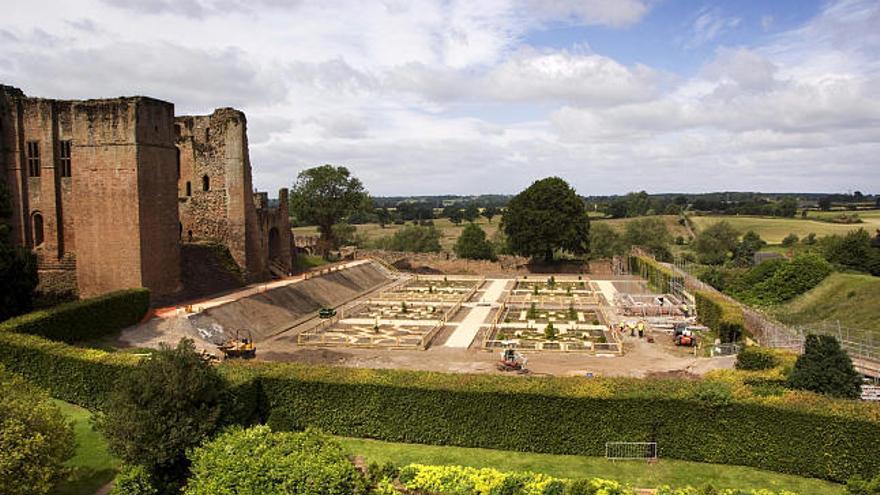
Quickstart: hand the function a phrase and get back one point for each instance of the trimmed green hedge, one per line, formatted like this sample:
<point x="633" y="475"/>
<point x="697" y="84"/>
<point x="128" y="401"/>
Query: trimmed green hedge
<point x="86" y="319"/>
<point x="719" y="419"/>
<point x="721" y="315"/>
<point x="699" y="421"/>
<point x="657" y="275"/>
<point x="81" y="376"/>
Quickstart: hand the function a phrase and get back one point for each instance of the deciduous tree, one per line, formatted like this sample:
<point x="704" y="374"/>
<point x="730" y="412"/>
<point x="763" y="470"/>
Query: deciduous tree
<point x="323" y="196"/>
<point x="472" y="244"/>
<point x="546" y="217"/>
<point x="166" y="405"/>
<point x="18" y="266"/>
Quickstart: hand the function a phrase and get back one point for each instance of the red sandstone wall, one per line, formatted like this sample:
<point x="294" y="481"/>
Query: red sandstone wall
<point x="157" y="179"/>
<point x="126" y="231"/>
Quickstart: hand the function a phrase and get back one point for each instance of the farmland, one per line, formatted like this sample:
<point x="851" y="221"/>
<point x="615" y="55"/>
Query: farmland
<point x="773" y="230"/>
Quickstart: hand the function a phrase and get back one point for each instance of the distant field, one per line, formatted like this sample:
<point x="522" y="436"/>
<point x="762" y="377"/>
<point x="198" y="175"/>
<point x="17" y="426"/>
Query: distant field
<point x="853" y="300"/>
<point x="449" y="231"/>
<point x="870" y="218"/>
<point x="773" y="230"/>
<point x="671" y="221"/>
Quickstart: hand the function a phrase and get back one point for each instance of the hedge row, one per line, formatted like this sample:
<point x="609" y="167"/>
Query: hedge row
<point x="80" y="376"/>
<point x="715" y="420"/>
<point x="86" y="319"/>
<point x="721" y="315"/>
<point x="657" y="275"/>
<point x="698" y="421"/>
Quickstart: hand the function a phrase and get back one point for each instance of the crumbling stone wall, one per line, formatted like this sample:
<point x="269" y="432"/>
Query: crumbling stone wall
<point x="216" y="199"/>
<point x="113" y="221"/>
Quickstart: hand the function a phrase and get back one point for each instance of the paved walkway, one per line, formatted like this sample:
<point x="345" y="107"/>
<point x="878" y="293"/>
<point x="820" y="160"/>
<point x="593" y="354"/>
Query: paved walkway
<point x="607" y="288"/>
<point x="470" y="326"/>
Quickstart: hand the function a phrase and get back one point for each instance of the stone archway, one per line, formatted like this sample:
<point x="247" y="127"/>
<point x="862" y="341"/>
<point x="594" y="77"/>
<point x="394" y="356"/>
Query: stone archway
<point x="274" y="244"/>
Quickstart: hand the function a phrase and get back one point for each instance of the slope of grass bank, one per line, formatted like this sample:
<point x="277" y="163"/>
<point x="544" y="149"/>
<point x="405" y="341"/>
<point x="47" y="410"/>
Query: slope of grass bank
<point x="92" y="466"/>
<point x="851" y="299"/>
<point x="638" y="474"/>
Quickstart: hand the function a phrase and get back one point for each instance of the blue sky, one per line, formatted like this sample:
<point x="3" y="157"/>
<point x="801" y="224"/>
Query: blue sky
<point x="664" y="37"/>
<point x="457" y="96"/>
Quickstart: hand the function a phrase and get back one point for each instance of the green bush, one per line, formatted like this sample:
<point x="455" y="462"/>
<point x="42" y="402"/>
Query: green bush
<point x="825" y="368"/>
<point x="780" y="281"/>
<point x="458" y="480"/>
<point x="134" y="480"/>
<point x="35" y="439"/>
<point x="472" y="244"/>
<point x="84" y="320"/>
<point x="412" y="238"/>
<point x="754" y="358"/>
<point x="259" y="461"/>
<point x="161" y="408"/>
<point x="721" y="315"/>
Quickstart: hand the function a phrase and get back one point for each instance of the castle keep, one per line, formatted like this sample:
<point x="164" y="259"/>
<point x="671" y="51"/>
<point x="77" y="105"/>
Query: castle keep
<point x="106" y="191"/>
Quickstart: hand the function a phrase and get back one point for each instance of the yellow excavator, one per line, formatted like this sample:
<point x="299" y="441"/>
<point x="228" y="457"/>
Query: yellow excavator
<point x="240" y="347"/>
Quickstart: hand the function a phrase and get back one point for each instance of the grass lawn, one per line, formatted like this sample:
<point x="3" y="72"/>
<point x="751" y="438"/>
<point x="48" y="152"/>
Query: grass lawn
<point x="92" y="465"/>
<point x="638" y="474"/>
<point x="852" y="299"/>
<point x="773" y="230"/>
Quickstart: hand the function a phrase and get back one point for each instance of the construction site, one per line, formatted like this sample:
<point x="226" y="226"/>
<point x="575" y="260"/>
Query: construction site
<point x="365" y="313"/>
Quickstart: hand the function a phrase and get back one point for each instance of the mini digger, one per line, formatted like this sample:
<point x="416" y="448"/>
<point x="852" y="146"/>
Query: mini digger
<point x="240" y="347"/>
<point x="512" y="361"/>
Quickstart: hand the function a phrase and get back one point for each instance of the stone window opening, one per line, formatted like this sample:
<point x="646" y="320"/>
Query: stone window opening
<point x="38" y="229"/>
<point x="206" y="183"/>
<point x="177" y="154"/>
<point x="189" y="235"/>
<point x="33" y="158"/>
<point x="64" y="165"/>
<point x="189" y="189"/>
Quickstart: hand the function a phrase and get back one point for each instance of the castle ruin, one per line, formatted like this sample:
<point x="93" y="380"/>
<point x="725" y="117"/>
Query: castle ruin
<point x="105" y="191"/>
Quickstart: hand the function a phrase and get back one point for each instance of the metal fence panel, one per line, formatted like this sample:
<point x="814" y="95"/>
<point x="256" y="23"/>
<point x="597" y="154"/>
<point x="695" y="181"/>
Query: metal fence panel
<point x="628" y="451"/>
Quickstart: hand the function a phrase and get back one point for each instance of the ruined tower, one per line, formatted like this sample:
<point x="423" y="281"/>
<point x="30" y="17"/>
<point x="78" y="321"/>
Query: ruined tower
<point x="216" y="197"/>
<point x="93" y="188"/>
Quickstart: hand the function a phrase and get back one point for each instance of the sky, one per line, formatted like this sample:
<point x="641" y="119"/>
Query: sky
<point x="471" y="97"/>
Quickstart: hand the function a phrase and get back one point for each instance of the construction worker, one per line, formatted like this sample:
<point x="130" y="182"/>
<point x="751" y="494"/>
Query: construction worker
<point x="632" y="328"/>
<point x="641" y="327"/>
<point x="685" y="310"/>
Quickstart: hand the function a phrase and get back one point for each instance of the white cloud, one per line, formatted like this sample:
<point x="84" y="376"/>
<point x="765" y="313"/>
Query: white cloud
<point x="438" y="96"/>
<point x="617" y="13"/>
<point x="709" y="25"/>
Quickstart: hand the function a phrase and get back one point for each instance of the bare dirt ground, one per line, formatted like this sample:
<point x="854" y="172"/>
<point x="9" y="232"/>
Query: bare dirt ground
<point x="641" y="359"/>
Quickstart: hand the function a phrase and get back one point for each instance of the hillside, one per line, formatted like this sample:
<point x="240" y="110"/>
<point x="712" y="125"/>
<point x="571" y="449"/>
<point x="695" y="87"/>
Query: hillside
<point x="854" y="300"/>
